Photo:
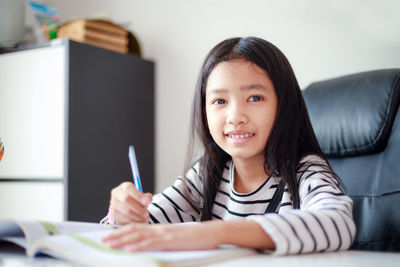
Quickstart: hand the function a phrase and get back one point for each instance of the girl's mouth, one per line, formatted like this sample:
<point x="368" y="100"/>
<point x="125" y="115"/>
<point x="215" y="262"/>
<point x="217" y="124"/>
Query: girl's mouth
<point x="239" y="138"/>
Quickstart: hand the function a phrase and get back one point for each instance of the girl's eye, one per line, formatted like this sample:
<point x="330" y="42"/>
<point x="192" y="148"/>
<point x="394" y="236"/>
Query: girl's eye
<point x="219" y="102"/>
<point x="255" y="98"/>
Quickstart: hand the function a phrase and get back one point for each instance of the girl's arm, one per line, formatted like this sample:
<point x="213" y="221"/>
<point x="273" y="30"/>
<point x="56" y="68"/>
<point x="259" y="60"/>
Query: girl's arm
<point x="173" y="204"/>
<point x="324" y="221"/>
<point x="205" y="235"/>
<point x="196" y="236"/>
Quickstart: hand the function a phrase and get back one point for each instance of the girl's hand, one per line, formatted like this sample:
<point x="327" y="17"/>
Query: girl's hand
<point x="138" y="237"/>
<point x="128" y="204"/>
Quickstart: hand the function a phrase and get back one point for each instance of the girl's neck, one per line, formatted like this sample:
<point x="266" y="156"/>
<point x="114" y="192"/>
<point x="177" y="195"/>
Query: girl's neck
<point x="249" y="174"/>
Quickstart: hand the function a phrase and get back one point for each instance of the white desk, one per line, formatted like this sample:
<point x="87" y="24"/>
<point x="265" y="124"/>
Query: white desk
<point x="12" y="256"/>
<point x="337" y="259"/>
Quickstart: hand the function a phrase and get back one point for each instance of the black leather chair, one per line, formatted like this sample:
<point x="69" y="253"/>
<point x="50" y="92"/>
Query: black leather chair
<point x="357" y="122"/>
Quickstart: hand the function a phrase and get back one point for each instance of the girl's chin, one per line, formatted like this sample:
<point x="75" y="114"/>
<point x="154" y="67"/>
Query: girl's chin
<point x="243" y="155"/>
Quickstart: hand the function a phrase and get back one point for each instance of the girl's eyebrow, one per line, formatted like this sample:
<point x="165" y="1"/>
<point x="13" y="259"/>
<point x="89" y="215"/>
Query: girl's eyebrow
<point x="257" y="87"/>
<point x="253" y="87"/>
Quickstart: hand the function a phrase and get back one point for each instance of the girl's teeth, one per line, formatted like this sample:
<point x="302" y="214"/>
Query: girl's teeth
<point x="240" y="136"/>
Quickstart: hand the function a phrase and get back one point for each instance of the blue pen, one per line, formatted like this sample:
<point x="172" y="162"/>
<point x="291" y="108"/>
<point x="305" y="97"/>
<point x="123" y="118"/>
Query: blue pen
<point x="135" y="169"/>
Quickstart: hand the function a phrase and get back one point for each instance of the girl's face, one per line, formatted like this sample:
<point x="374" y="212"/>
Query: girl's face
<point x="241" y="106"/>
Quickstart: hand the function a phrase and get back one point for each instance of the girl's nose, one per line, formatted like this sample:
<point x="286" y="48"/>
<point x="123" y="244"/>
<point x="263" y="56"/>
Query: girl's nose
<point x="236" y="115"/>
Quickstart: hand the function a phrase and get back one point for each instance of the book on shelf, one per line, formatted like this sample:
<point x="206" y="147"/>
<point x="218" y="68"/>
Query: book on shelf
<point x="80" y="242"/>
<point x="100" y="33"/>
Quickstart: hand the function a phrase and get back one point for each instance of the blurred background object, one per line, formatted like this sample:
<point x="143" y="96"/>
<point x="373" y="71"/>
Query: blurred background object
<point x="12" y="22"/>
<point x="46" y="21"/>
<point x="27" y="23"/>
<point x="24" y="22"/>
<point x="1" y="149"/>
<point x="101" y="33"/>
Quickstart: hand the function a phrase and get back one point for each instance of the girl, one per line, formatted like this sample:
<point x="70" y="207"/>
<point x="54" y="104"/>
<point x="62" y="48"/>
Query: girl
<point x="262" y="181"/>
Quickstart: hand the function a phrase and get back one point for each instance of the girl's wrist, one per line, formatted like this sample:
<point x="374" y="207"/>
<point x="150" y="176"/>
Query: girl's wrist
<point x="216" y="230"/>
<point x="244" y="233"/>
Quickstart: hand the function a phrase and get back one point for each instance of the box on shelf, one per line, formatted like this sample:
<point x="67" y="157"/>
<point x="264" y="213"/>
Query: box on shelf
<point x="101" y="33"/>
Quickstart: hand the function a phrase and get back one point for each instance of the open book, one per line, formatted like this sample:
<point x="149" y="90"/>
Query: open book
<point x="81" y="242"/>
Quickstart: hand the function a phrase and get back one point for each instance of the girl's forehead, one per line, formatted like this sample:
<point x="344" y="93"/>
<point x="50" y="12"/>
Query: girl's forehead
<point x="238" y="65"/>
<point x="236" y="72"/>
<point x="234" y="63"/>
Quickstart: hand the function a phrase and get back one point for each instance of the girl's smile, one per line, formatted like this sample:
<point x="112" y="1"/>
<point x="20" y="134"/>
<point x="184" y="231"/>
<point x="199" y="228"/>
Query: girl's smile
<point x="241" y="106"/>
<point x="239" y="137"/>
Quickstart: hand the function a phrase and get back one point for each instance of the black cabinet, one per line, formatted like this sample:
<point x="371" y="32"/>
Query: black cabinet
<point x="111" y="105"/>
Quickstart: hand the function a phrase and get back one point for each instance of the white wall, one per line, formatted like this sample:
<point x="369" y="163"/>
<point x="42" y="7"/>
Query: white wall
<point x="322" y="39"/>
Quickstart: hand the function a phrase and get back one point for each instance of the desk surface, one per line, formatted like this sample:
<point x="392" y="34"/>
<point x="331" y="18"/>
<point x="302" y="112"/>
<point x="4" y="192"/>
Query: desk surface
<point x="11" y="256"/>
<point x="334" y="259"/>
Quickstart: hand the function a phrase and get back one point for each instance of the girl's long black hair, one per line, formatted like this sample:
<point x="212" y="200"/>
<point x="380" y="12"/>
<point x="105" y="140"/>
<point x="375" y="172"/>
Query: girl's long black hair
<point x="291" y="138"/>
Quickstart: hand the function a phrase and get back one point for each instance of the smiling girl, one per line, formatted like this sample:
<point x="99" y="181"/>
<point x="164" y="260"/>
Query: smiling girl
<point x="262" y="180"/>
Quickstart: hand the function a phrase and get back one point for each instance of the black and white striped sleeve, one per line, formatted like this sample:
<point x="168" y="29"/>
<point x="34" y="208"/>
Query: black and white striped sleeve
<point x="173" y="204"/>
<point x="324" y="221"/>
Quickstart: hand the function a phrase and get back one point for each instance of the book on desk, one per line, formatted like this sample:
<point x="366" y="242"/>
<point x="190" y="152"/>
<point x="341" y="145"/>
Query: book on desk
<point x="80" y="242"/>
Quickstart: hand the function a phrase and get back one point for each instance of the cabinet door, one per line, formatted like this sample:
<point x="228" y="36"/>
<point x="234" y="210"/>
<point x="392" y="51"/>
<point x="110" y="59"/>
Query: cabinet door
<point x="32" y="113"/>
<point x="32" y="200"/>
<point x="32" y="127"/>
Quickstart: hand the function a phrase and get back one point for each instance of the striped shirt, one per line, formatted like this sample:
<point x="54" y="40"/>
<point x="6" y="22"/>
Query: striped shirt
<point x="323" y="223"/>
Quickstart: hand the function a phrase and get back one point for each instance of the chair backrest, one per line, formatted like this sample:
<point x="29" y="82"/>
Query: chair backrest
<point x="357" y="122"/>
